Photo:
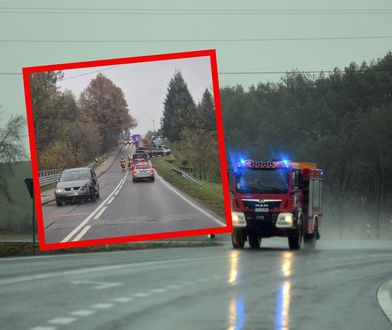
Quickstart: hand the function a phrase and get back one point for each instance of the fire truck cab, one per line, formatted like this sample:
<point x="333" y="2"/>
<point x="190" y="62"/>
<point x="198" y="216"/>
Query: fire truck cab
<point x="276" y="198"/>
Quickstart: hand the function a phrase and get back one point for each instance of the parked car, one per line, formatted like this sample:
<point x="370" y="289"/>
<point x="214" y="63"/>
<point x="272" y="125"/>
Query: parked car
<point x="143" y="171"/>
<point x="77" y="184"/>
<point x="165" y="150"/>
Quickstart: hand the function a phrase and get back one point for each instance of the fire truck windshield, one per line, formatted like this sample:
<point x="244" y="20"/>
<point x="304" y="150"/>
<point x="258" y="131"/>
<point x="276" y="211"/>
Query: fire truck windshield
<point x="263" y="181"/>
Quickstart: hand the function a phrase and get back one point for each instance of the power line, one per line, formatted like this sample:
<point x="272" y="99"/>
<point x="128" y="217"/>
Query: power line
<point x="241" y="72"/>
<point x="92" y="72"/>
<point x="161" y="11"/>
<point x="191" y="40"/>
<point x="309" y="71"/>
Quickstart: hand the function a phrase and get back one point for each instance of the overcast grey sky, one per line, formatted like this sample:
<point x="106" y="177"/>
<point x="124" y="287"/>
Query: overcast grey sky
<point x="145" y="84"/>
<point x="42" y="36"/>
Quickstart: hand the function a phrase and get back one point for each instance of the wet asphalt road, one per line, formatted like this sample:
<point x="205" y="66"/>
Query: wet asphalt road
<point x="126" y="209"/>
<point x="333" y="287"/>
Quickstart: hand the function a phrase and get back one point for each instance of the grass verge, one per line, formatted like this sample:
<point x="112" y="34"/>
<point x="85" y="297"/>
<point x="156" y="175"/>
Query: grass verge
<point x="206" y="192"/>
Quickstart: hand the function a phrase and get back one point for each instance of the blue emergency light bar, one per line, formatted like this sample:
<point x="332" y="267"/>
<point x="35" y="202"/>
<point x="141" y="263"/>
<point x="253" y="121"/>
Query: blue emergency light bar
<point x="249" y="163"/>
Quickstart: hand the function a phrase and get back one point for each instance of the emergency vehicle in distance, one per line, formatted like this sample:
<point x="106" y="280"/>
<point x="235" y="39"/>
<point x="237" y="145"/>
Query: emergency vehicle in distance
<point x="276" y="198"/>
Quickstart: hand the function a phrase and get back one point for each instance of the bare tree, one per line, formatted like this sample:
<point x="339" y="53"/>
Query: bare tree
<point x="11" y="149"/>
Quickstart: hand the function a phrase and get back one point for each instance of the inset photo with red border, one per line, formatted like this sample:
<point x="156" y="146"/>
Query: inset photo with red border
<point x="127" y="149"/>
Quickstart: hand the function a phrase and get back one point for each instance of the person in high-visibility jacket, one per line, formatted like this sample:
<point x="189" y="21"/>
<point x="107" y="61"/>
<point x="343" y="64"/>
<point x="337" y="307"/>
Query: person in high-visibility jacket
<point x="122" y="163"/>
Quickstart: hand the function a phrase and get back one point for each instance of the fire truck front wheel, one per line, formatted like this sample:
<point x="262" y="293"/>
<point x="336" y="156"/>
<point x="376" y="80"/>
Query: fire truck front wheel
<point x="295" y="240"/>
<point x="237" y="239"/>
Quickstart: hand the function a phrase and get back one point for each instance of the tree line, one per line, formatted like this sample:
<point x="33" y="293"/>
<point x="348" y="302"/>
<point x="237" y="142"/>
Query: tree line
<point x="191" y="128"/>
<point x="342" y="121"/>
<point x="72" y="132"/>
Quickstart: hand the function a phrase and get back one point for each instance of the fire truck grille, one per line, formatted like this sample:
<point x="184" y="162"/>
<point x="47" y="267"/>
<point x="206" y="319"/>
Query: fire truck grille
<point x="261" y="204"/>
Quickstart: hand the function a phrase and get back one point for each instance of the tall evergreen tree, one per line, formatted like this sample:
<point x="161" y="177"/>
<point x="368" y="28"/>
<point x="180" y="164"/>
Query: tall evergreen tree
<point x="177" y="105"/>
<point x="207" y="111"/>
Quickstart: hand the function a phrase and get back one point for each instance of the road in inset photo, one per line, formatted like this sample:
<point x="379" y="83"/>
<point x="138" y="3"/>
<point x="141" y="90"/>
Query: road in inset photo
<point x="126" y="208"/>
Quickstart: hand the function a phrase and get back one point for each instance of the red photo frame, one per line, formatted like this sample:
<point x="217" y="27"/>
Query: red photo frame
<point x="211" y="53"/>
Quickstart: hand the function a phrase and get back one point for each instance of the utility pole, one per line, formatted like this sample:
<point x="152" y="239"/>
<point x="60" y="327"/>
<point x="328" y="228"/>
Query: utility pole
<point x="29" y="185"/>
<point x="153" y="124"/>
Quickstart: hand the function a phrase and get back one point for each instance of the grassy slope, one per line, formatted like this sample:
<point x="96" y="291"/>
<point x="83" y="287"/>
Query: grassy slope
<point x="15" y="216"/>
<point x="208" y="193"/>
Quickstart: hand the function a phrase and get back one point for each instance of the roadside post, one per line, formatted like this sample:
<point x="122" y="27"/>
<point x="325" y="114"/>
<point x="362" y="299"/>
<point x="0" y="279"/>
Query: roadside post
<point x="29" y="185"/>
<point x="211" y="238"/>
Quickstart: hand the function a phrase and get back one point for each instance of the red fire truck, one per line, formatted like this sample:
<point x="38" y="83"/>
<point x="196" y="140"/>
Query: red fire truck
<point x="276" y="198"/>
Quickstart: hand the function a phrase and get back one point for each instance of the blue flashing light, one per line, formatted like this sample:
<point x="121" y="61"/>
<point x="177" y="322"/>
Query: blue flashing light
<point x="243" y="161"/>
<point x="285" y="162"/>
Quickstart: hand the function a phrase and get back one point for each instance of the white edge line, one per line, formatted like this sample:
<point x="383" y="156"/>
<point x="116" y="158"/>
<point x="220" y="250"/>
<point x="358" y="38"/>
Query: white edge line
<point x="81" y="233"/>
<point x="222" y="224"/>
<point x="83" y="223"/>
<point x="111" y="200"/>
<point x="384" y="298"/>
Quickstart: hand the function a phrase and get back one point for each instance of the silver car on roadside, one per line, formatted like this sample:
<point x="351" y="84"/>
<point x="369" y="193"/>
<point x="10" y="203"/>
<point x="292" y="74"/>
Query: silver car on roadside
<point x="77" y="184"/>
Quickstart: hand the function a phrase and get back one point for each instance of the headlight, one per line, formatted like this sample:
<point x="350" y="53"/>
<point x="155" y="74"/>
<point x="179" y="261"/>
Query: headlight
<point x="59" y="190"/>
<point x="84" y="188"/>
<point x="238" y="219"/>
<point x="285" y="220"/>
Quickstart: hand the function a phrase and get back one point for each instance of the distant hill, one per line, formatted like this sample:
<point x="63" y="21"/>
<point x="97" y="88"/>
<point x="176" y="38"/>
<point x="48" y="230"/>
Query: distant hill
<point x="15" y="216"/>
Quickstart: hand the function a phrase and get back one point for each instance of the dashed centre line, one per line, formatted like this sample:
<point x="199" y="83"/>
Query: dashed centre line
<point x="102" y="306"/>
<point x="142" y="295"/>
<point x="100" y="212"/>
<point x="158" y="290"/>
<point x="122" y="299"/>
<point x="62" y="320"/>
<point x="83" y="312"/>
<point x="82" y="233"/>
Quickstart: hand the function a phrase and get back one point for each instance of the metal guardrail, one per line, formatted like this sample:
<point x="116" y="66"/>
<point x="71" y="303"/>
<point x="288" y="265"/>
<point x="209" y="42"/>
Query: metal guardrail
<point x="186" y="176"/>
<point x="186" y="169"/>
<point x="49" y="177"/>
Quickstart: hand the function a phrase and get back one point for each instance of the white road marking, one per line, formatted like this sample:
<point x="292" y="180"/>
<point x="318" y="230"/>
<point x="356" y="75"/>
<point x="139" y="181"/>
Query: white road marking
<point x="204" y="280"/>
<point x="102" y="306"/>
<point x="99" y="269"/>
<point x="142" y="295"/>
<point x="100" y="212"/>
<point x="98" y="285"/>
<point x="210" y="216"/>
<point x="44" y="328"/>
<point x="83" y="312"/>
<point x="111" y="200"/>
<point x="188" y="283"/>
<point x="92" y="214"/>
<point x="158" y="290"/>
<point x="122" y="299"/>
<point x="384" y="298"/>
<point x="81" y="233"/>
<point x="62" y="320"/>
<point x="173" y="286"/>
